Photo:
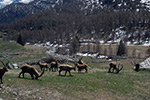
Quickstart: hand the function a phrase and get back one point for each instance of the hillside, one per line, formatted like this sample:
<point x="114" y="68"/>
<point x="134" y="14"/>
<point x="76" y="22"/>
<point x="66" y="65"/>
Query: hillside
<point x="98" y="20"/>
<point x="17" y="9"/>
<point x="58" y="26"/>
<point x="13" y="52"/>
<point x="97" y="84"/>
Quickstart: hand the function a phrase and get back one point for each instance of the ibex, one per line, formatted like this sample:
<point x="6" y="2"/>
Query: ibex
<point x="43" y="65"/>
<point x="31" y="70"/>
<point x="2" y="71"/>
<point x="136" y="65"/>
<point x="82" y="67"/>
<point x="114" y="67"/>
<point x="54" y="65"/>
<point x="66" y="68"/>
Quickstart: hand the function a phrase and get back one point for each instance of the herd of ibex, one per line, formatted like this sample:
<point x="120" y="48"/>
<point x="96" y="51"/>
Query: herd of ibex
<point x="80" y="65"/>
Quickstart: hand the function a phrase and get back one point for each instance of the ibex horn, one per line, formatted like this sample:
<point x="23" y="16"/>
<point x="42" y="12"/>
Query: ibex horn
<point x="3" y="63"/>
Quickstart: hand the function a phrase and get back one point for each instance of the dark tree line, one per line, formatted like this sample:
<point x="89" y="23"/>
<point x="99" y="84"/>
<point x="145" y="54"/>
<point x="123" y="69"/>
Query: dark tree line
<point x="60" y="24"/>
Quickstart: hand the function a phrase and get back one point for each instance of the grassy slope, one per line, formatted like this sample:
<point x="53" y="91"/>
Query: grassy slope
<point x="6" y="47"/>
<point x="93" y="85"/>
<point x="22" y="53"/>
<point x="97" y="84"/>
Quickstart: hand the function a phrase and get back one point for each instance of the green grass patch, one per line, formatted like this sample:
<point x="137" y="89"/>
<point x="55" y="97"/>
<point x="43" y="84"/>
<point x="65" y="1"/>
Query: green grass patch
<point x="7" y="47"/>
<point x="14" y="52"/>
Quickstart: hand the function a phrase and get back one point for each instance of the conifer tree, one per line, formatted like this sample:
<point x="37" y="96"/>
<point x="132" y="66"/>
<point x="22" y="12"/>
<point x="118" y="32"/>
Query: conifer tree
<point x="20" y="40"/>
<point x="121" y="49"/>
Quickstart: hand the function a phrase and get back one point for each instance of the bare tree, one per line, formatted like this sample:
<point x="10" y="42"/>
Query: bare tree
<point x="134" y="52"/>
<point x="110" y="50"/>
<point x="74" y="45"/>
<point x="148" y="51"/>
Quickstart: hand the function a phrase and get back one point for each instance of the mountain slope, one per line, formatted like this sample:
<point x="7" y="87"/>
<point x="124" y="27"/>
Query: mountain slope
<point x="59" y="21"/>
<point x="4" y="3"/>
<point x="15" y="11"/>
<point x="62" y="25"/>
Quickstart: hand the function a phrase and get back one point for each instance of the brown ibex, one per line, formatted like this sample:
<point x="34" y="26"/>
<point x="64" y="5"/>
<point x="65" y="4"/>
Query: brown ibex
<point x="136" y="65"/>
<point x="54" y="65"/>
<point x="66" y="68"/>
<point x="43" y="65"/>
<point x="31" y="70"/>
<point x="114" y="66"/>
<point x="2" y="71"/>
<point x="82" y="67"/>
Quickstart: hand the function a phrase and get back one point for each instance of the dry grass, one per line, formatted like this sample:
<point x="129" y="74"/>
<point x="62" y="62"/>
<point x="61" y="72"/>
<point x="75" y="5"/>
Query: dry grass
<point x="111" y="50"/>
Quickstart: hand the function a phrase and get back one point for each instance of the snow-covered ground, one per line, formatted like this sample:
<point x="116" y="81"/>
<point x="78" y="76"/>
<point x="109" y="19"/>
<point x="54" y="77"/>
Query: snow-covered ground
<point x="121" y="34"/>
<point x="51" y="50"/>
<point x="147" y="2"/>
<point x="3" y="3"/>
<point x="96" y="55"/>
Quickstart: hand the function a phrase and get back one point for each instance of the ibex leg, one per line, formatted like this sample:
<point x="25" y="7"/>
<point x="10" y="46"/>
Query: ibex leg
<point x="1" y="81"/>
<point x="32" y="76"/>
<point x="69" y="73"/>
<point x="20" y="74"/>
<point x="59" y="72"/>
<point x="109" y="71"/>
<point x="65" y="73"/>
<point x="86" y="70"/>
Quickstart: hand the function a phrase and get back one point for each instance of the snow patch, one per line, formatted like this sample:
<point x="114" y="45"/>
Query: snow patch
<point x="96" y="55"/>
<point x="25" y="1"/>
<point x="145" y="64"/>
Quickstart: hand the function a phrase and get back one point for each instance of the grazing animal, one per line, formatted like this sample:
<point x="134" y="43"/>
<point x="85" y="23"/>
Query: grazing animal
<point x="43" y="65"/>
<point x="136" y="65"/>
<point x="114" y="67"/>
<point x="66" y="68"/>
<point x="82" y="67"/>
<point x="31" y="70"/>
<point x="2" y="71"/>
<point x="54" y="65"/>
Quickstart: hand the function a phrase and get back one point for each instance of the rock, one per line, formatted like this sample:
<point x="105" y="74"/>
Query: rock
<point x="15" y="93"/>
<point x="145" y="64"/>
<point x="1" y="99"/>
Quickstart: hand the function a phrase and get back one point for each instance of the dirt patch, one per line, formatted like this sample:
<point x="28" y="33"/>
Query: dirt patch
<point x="30" y="93"/>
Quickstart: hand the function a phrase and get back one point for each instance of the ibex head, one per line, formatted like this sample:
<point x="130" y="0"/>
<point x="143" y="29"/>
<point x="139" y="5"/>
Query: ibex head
<point x="136" y="65"/>
<point x="116" y="67"/>
<point x="5" y="66"/>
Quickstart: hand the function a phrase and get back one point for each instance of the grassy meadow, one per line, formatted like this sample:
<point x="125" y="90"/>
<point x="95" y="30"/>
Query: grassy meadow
<point x="97" y="84"/>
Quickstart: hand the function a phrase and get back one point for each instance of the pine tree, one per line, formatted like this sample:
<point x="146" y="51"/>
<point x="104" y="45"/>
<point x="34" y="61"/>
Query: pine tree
<point x="20" y="40"/>
<point x="121" y="49"/>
